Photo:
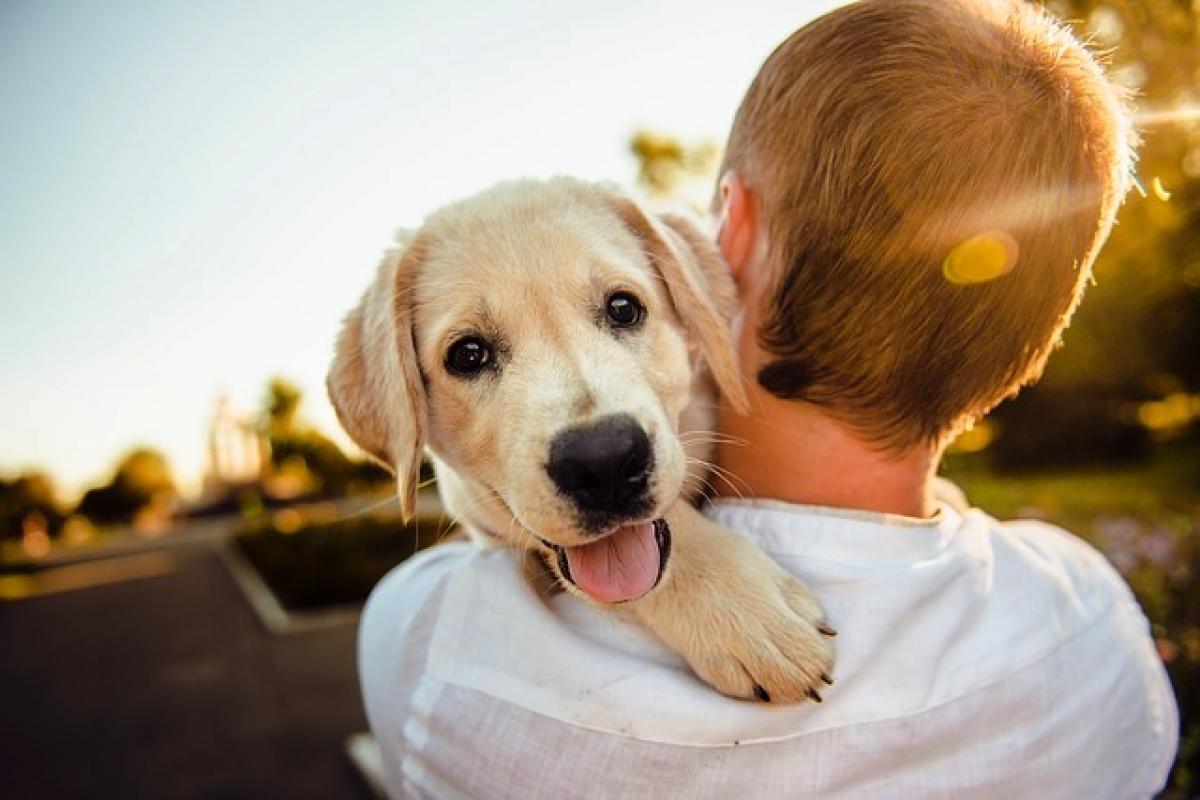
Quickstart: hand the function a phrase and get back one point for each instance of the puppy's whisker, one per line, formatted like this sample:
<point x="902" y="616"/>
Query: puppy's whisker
<point x="445" y="528"/>
<point x="723" y="474"/>
<point x="704" y="440"/>
<point x="728" y="478"/>
<point x="712" y="436"/>
<point x="709" y="489"/>
<point x="525" y="538"/>
<point x="373" y="507"/>
<point x="701" y="476"/>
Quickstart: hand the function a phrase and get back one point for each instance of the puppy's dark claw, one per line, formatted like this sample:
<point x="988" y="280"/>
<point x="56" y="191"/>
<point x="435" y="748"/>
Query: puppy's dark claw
<point x="828" y="680"/>
<point x="824" y="628"/>
<point x="761" y="693"/>
<point x="812" y="695"/>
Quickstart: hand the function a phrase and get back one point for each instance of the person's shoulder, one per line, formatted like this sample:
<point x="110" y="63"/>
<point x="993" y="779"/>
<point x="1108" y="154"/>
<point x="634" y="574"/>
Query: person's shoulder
<point x="1104" y="655"/>
<point x="414" y="588"/>
<point x="1038" y="544"/>
<point x="1058" y="557"/>
<point x="416" y="578"/>
<point x="407" y="604"/>
<point x="1068" y="597"/>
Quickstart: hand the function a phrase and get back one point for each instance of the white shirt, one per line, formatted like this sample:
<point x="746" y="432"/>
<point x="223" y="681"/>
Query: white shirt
<point x="974" y="659"/>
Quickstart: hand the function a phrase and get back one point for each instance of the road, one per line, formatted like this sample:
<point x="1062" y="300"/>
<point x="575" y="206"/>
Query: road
<point x="163" y="684"/>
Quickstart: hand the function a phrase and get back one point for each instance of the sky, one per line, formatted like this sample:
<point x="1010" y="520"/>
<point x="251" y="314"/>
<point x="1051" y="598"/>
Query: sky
<point x="192" y="195"/>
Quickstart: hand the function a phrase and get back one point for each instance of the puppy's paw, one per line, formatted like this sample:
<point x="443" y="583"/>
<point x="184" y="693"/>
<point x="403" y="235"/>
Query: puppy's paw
<point x="744" y="625"/>
<point x="773" y="643"/>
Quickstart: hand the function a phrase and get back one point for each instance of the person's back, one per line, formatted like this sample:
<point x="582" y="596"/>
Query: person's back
<point x="913" y="194"/>
<point x="975" y="660"/>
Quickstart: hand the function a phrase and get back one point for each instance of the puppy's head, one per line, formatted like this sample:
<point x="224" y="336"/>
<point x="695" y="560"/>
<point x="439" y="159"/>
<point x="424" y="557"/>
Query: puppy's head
<point x="542" y="339"/>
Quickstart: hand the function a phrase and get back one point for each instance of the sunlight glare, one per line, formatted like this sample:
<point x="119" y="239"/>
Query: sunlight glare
<point x="1165" y="116"/>
<point x="981" y="258"/>
<point x="1159" y="190"/>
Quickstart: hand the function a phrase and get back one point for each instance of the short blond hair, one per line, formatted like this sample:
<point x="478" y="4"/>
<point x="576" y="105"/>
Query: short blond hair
<point x="882" y="137"/>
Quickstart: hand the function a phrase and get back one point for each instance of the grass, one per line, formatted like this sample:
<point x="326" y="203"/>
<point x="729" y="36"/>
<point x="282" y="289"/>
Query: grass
<point x="1164" y="490"/>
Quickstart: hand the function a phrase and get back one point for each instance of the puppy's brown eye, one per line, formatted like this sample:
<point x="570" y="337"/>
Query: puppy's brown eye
<point x="468" y="356"/>
<point x="624" y="310"/>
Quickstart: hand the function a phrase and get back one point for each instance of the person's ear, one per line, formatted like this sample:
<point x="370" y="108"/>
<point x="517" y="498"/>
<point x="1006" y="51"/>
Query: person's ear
<point x="375" y="383"/>
<point x="738" y="232"/>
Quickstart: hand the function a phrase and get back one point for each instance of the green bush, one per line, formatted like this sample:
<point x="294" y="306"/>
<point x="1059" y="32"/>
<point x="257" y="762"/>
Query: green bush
<point x="333" y="563"/>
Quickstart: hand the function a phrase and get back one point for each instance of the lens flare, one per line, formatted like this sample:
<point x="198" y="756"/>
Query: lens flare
<point x="1149" y="117"/>
<point x="981" y="258"/>
<point x="1159" y="190"/>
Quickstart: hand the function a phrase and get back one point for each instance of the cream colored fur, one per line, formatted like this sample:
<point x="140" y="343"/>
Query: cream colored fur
<point x="530" y="263"/>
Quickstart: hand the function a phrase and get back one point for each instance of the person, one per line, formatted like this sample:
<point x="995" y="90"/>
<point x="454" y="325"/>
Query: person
<point x="913" y="194"/>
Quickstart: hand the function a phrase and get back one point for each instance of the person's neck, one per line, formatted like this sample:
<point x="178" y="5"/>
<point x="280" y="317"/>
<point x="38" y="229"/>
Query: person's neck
<point x="792" y="451"/>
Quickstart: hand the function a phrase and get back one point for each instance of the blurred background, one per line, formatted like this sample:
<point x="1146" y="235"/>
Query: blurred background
<point x="192" y="195"/>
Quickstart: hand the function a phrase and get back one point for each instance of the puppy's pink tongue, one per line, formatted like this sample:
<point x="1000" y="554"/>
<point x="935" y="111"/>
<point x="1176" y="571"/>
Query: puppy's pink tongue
<point x="621" y="566"/>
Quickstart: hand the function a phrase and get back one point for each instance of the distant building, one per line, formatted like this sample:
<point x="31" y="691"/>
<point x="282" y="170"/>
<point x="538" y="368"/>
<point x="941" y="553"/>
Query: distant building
<point x="237" y="451"/>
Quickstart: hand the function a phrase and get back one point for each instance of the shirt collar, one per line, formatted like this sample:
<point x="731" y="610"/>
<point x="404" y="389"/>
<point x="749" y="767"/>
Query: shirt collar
<point x="838" y="534"/>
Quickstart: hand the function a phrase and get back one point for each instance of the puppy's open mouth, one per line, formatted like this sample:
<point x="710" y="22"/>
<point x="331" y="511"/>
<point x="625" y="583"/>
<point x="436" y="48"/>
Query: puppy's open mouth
<point x="623" y="565"/>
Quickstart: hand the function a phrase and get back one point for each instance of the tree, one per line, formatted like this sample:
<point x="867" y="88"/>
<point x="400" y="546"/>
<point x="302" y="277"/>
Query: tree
<point x="142" y="477"/>
<point x="307" y="459"/>
<point x="28" y="494"/>
<point x="1137" y="335"/>
<point x="669" y="168"/>
<point x="281" y="405"/>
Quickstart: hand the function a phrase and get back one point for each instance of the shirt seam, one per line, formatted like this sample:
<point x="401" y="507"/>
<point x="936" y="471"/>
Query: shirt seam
<point x="860" y="515"/>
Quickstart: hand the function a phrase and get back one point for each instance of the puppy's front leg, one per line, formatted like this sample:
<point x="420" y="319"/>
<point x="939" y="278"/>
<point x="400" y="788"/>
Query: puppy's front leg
<point x="743" y="624"/>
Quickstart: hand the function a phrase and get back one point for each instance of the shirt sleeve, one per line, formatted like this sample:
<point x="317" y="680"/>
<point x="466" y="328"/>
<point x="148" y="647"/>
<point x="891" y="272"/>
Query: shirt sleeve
<point x="1131" y="651"/>
<point x="393" y="644"/>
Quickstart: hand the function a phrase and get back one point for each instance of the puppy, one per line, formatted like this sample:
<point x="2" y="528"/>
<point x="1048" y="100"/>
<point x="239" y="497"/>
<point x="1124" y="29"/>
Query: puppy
<point x="557" y="350"/>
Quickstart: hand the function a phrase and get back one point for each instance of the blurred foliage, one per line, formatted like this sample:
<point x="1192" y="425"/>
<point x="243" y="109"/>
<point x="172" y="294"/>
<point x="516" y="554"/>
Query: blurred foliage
<point x="310" y="563"/>
<point x="32" y="493"/>
<point x="1063" y="426"/>
<point x="303" y="460"/>
<point x="142" y="479"/>
<point x="1136" y="338"/>
<point x="669" y="168"/>
<point x="281" y="405"/>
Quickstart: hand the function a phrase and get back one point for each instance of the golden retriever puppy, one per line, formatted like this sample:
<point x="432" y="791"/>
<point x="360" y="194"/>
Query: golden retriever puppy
<point x="552" y="346"/>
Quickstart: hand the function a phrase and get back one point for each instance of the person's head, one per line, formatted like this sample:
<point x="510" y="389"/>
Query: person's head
<point x="913" y="194"/>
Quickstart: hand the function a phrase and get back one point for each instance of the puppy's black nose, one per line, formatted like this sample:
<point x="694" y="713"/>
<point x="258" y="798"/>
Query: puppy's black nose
<point x="603" y="467"/>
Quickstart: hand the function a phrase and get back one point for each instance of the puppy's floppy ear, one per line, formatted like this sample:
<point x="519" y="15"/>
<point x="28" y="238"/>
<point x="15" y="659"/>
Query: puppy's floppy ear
<point x="700" y="286"/>
<point x="375" y="383"/>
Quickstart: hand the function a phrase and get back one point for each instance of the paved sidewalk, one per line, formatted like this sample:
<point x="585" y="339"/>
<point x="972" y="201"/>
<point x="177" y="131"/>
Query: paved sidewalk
<point x="166" y="686"/>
